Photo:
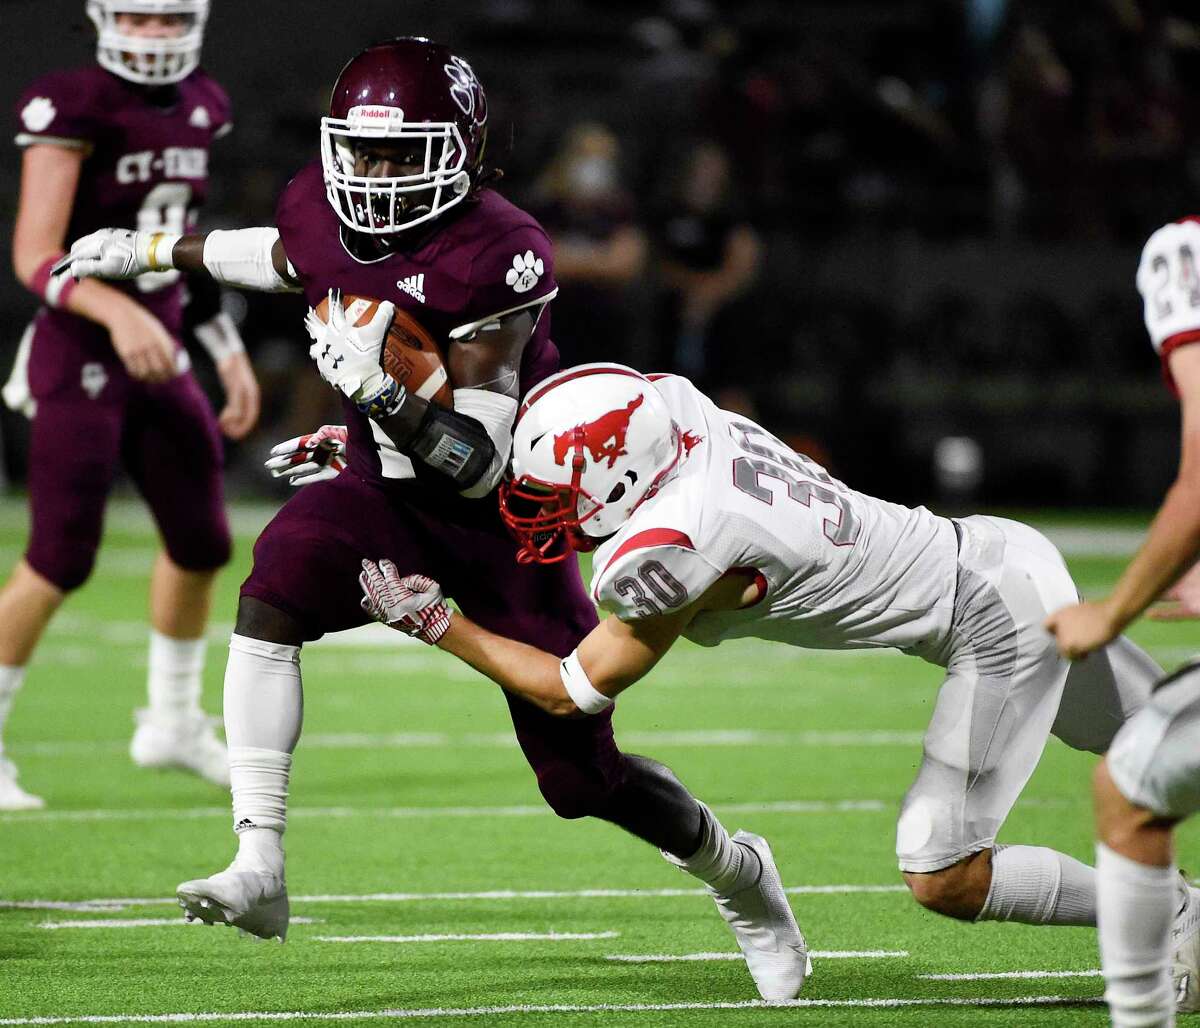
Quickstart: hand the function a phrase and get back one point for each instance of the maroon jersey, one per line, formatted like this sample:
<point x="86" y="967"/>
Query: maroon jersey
<point x="146" y="164"/>
<point x="484" y="259"/>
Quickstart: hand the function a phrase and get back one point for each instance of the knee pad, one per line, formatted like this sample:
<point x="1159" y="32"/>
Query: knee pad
<point x="572" y="792"/>
<point x="203" y="551"/>
<point x="67" y="565"/>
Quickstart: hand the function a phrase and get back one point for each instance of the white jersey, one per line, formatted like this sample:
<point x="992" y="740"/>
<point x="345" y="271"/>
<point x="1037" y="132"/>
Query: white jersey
<point x="836" y="569"/>
<point x="1169" y="280"/>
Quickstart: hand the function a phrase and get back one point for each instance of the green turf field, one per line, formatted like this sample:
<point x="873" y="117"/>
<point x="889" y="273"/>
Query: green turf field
<point x="415" y="818"/>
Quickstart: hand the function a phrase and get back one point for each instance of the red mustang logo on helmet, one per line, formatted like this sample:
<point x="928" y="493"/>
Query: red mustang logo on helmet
<point x="603" y="438"/>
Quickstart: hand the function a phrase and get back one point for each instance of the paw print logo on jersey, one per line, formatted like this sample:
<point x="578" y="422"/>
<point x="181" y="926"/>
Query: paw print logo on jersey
<point x="38" y="113"/>
<point x="525" y="271"/>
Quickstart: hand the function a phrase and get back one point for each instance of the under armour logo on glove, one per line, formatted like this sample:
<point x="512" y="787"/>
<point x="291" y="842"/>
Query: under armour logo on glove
<point x="348" y="356"/>
<point x="412" y="604"/>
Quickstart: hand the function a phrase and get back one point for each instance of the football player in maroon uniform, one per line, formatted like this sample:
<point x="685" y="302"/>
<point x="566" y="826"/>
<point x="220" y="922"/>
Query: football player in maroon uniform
<point x="398" y="209"/>
<point x="122" y="142"/>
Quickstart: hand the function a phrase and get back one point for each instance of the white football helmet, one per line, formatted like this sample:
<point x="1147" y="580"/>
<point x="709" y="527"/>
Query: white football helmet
<point x="152" y="59"/>
<point x="589" y="445"/>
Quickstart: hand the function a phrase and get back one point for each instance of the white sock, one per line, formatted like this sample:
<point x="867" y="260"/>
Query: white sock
<point x="264" y="709"/>
<point x="1036" y="885"/>
<point x="174" y="681"/>
<point x="10" y="681"/>
<point x="1137" y="904"/>
<point x="722" y="864"/>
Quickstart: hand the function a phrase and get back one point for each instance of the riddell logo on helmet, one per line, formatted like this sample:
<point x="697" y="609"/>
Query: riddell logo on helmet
<point x="603" y="438"/>
<point x="373" y="114"/>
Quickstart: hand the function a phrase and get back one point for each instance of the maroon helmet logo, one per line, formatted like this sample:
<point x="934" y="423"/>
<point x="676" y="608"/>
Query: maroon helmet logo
<point x="603" y="438"/>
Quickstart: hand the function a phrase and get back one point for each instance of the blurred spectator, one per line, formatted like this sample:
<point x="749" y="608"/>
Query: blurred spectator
<point x="599" y="250"/>
<point x="707" y="258"/>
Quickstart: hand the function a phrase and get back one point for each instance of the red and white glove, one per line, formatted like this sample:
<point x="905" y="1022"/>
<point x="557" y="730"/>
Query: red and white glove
<point x="315" y="457"/>
<point x="412" y="604"/>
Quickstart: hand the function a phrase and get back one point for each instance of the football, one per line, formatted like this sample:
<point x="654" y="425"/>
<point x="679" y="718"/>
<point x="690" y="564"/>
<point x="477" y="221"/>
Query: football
<point x="410" y="355"/>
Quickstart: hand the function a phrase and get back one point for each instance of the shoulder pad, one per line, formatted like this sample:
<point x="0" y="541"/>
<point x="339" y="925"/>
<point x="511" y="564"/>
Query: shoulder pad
<point x="62" y="107"/>
<point x="301" y="209"/>
<point x="652" y="572"/>
<point x="1168" y="278"/>
<point x="511" y="271"/>
<point x="217" y="101"/>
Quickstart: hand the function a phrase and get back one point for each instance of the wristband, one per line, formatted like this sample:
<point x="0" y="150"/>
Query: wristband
<point x="579" y="687"/>
<point x="386" y="402"/>
<point x="164" y="245"/>
<point x="54" y="290"/>
<point x="219" y="336"/>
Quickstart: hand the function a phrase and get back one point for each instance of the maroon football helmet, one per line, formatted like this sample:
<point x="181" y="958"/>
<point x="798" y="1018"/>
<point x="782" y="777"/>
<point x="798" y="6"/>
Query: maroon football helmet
<point x="407" y="89"/>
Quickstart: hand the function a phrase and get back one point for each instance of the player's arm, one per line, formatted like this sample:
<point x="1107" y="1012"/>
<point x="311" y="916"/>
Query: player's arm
<point x="1172" y="545"/>
<point x="469" y="444"/>
<point x="217" y="332"/>
<point x="49" y="178"/>
<point x="244" y="258"/>
<point x="613" y="656"/>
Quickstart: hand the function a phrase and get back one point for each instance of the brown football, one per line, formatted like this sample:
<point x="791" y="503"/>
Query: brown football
<point x="410" y="355"/>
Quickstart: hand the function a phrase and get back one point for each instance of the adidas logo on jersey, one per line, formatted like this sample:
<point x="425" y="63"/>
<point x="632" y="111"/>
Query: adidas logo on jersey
<point x="414" y="285"/>
<point x="200" y="118"/>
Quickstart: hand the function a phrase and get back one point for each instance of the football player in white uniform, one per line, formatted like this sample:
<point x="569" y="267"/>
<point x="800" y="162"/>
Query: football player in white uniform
<point x="1151" y="776"/>
<point x="706" y="526"/>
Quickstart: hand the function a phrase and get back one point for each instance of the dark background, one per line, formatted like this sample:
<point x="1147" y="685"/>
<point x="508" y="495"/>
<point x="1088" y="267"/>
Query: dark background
<point x="949" y="200"/>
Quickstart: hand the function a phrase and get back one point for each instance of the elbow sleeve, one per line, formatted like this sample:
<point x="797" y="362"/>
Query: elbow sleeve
<point x="471" y="443"/>
<point x="242" y="258"/>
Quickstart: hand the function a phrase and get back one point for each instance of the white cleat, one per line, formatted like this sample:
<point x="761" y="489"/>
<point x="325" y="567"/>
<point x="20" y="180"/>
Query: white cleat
<point x="256" y="902"/>
<point x="766" y="928"/>
<point x="12" y="796"/>
<point x="1185" y="951"/>
<point x="186" y="741"/>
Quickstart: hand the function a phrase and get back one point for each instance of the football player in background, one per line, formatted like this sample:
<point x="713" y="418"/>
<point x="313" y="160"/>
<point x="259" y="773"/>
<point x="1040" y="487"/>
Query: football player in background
<point x="705" y="525"/>
<point x="398" y="209"/>
<point x="125" y="141"/>
<point x="1150" y="778"/>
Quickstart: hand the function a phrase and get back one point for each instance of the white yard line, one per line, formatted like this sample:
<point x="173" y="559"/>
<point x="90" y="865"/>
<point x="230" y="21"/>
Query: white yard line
<point x="341" y="813"/>
<point x="869" y="806"/>
<point x="817" y="954"/>
<point x="492" y="895"/>
<point x="484" y="937"/>
<point x="531" y="1008"/>
<point x="999" y="975"/>
<point x="144" y="922"/>
<point x="506" y="740"/>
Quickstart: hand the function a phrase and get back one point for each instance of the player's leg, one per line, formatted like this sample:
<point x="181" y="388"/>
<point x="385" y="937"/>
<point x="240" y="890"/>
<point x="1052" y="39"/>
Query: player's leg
<point x="73" y="456"/>
<point x="304" y="583"/>
<point x="988" y="730"/>
<point x="172" y="448"/>
<point x="1150" y="779"/>
<point x="1103" y="692"/>
<point x="27" y="603"/>
<point x="581" y="772"/>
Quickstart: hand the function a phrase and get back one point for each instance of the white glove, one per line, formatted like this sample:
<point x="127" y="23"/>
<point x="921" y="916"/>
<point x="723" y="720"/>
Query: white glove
<point x="348" y="357"/>
<point x="315" y="457"/>
<point x="117" y="253"/>
<point x="413" y="604"/>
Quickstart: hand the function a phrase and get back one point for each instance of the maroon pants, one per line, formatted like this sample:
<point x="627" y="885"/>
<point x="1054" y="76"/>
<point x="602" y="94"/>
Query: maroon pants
<point x="307" y="562"/>
<point x="91" y="420"/>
